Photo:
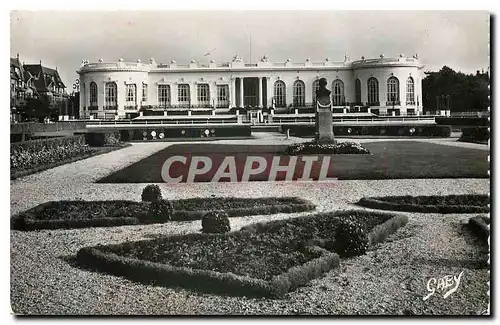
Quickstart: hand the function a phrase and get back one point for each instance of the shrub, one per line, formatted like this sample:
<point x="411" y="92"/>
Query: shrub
<point x="160" y="210"/>
<point x="151" y="193"/>
<point x="215" y="222"/>
<point x="476" y="134"/>
<point x="350" y="238"/>
<point x="97" y="139"/>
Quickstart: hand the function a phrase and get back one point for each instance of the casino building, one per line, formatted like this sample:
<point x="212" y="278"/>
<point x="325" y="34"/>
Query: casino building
<point x="384" y="86"/>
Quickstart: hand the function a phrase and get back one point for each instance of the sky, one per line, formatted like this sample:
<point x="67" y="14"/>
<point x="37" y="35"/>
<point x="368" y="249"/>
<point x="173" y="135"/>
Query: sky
<point x="458" y="39"/>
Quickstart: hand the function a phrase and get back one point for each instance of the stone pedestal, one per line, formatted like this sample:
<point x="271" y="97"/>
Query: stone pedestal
<point x="324" y="125"/>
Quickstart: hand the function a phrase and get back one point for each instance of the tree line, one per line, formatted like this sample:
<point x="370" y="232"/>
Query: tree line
<point x="456" y="91"/>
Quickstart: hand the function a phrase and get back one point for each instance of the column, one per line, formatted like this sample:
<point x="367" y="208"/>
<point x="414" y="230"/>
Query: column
<point x="260" y="91"/>
<point x="174" y="94"/>
<point x="193" y="92"/>
<point x="270" y="92"/>
<point x="232" y="92"/>
<point x="242" y="96"/>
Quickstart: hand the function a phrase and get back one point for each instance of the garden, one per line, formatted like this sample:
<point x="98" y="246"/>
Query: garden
<point x="33" y="156"/>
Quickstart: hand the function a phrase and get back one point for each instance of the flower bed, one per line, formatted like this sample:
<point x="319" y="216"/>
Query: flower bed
<point x="267" y="259"/>
<point x="467" y="203"/>
<point x="32" y="154"/>
<point x="310" y="148"/>
<point x="82" y="214"/>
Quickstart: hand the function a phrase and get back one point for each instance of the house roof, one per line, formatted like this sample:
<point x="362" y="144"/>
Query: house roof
<point x="41" y="82"/>
<point x="15" y="63"/>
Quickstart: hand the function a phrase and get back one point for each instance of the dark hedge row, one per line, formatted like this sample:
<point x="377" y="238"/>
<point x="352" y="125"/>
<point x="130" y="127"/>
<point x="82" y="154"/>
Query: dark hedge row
<point x="375" y="130"/>
<point x="462" y="121"/>
<point x="314" y="148"/>
<point x="147" y="261"/>
<point x="468" y="203"/>
<point x="478" y="134"/>
<point x="187" y="132"/>
<point x="83" y="214"/>
<point x="102" y="139"/>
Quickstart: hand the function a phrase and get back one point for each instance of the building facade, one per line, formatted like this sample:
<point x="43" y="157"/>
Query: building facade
<point x="34" y="81"/>
<point x="385" y="85"/>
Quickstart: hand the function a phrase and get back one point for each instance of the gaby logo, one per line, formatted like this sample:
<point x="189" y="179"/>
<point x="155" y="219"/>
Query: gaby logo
<point x="245" y="168"/>
<point x="443" y="284"/>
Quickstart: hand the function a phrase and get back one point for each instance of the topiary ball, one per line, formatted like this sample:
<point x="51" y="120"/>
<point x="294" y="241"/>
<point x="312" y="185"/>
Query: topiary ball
<point x="215" y="222"/>
<point x="161" y="210"/>
<point x="151" y="193"/>
<point x="350" y="238"/>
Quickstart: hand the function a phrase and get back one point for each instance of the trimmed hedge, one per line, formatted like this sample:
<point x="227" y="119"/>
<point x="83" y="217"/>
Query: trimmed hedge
<point x="102" y="139"/>
<point x="151" y="193"/>
<point x="477" y="134"/>
<point x="480" y="225"/>
<point x="384" y="203"/>
<point x="131" y="213"/>
<point x="375" y="130"/>
<point x="103" y="258"/>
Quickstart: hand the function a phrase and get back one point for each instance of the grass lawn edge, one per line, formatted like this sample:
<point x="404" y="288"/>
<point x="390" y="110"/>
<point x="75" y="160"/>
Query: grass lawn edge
<point x="224" y="283"/>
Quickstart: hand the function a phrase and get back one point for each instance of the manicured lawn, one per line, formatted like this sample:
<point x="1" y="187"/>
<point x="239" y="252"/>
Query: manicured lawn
<point x="82" y="214"/>
<point x="388" y="160"/>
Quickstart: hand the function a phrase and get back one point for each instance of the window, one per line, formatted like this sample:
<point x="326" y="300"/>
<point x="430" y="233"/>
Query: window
<point x="373" y="99"/>
<point x="315" y="88"/>
<point x="110" y="95"/>
<point x="393" y="91"/>
<point x="93" y="94"/>
<point x="279" y="94"/>
<point x="130" y="99"/>
<point x="164" y="95"/>
<point x="299" y="96"/>
<point x="222" y="96"/>
<point x="144" y="93"/>
<point x="410" y="91"/>
<point x="357" y="91"/>
<point x="203" y="95"/>
<point x="184" y="94"/>
<point x="338" y="93"/>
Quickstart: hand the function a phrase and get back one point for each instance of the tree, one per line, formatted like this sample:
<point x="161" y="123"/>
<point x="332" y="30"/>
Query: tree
<point x="465" y="92"/>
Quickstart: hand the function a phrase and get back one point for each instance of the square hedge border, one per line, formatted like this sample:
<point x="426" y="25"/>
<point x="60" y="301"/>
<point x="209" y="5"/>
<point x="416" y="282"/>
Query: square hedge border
<point x="151" y="273"/>
<point x="379" y="203"/>
<point x="26" y="221"/>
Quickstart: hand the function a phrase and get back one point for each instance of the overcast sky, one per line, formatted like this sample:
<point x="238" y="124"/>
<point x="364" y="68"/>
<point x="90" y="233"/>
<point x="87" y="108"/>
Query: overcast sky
<point x="459" y="39"/>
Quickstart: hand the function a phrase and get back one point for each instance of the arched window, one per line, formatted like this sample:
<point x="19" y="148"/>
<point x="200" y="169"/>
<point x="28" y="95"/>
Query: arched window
<point x="130" y="98"/>
<point x="410" y="91"/>
<point x="299" y="95"/>
<point x="279" y="94"/>
<point x="393" y="91"/>
<point x="357" y="91"/>
<point x="164" y="95"/>
<point x="93" y="94"/>
<point x="203" y="95"/>
<point x="184" y="95"/>
<point x="314" y="89"/>
<point x="110" y="95"/>
<point x="338" y="93"/>
<point x="373" y="99"/>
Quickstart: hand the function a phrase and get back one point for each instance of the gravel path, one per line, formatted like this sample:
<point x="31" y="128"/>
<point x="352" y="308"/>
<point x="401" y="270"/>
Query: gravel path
<point x="389" y="280"/>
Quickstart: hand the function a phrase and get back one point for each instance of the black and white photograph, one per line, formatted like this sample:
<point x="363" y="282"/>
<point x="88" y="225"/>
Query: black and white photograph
<point x="250" y="162"/>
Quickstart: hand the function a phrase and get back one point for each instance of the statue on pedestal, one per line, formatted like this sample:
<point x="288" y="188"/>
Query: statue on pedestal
<point x="324" y="124"/>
